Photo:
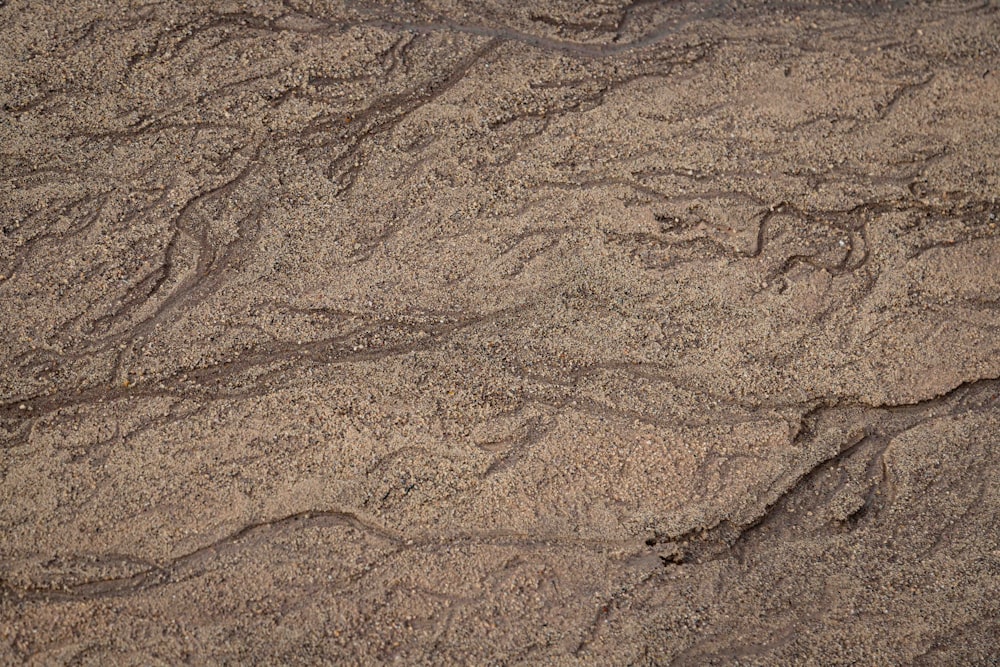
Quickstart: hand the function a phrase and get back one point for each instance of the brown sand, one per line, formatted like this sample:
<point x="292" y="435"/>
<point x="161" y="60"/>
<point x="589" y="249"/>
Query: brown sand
<point x="498" y="333"/>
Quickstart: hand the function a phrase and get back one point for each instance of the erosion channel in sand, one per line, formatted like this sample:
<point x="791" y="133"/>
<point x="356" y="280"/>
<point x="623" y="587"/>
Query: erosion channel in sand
<point x="499" y="333"/>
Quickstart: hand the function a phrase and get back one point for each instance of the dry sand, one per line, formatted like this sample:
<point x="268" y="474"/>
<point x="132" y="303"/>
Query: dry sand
<point x="500" y="333"/>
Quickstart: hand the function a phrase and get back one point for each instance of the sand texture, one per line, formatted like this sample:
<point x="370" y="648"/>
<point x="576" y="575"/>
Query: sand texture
<point x="453" y="332"/>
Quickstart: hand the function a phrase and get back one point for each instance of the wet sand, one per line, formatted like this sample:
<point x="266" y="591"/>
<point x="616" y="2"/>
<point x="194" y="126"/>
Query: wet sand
<point x="500" y="333"/>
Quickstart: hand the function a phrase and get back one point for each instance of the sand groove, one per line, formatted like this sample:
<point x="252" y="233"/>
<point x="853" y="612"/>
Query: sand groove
<point x="445" y="332"/>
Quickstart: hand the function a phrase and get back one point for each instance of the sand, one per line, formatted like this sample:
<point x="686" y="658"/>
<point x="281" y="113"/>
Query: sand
<point x="445" y="332"/>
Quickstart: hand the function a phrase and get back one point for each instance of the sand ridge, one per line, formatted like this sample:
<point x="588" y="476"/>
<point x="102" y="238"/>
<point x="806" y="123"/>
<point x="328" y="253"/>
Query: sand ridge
<point x="499" y="333"/>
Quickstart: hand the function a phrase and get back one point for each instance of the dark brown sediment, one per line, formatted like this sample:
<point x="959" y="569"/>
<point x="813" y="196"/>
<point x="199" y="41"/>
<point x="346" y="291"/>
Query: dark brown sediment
<point x="494" y="333"/>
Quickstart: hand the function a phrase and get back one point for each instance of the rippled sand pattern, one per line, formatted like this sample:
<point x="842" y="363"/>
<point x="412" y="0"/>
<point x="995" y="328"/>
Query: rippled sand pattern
<point x="457" y="332"/>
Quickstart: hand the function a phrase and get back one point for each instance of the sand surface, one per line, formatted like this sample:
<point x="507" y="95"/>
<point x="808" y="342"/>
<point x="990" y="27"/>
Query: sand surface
<point x="463" y="332"/>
